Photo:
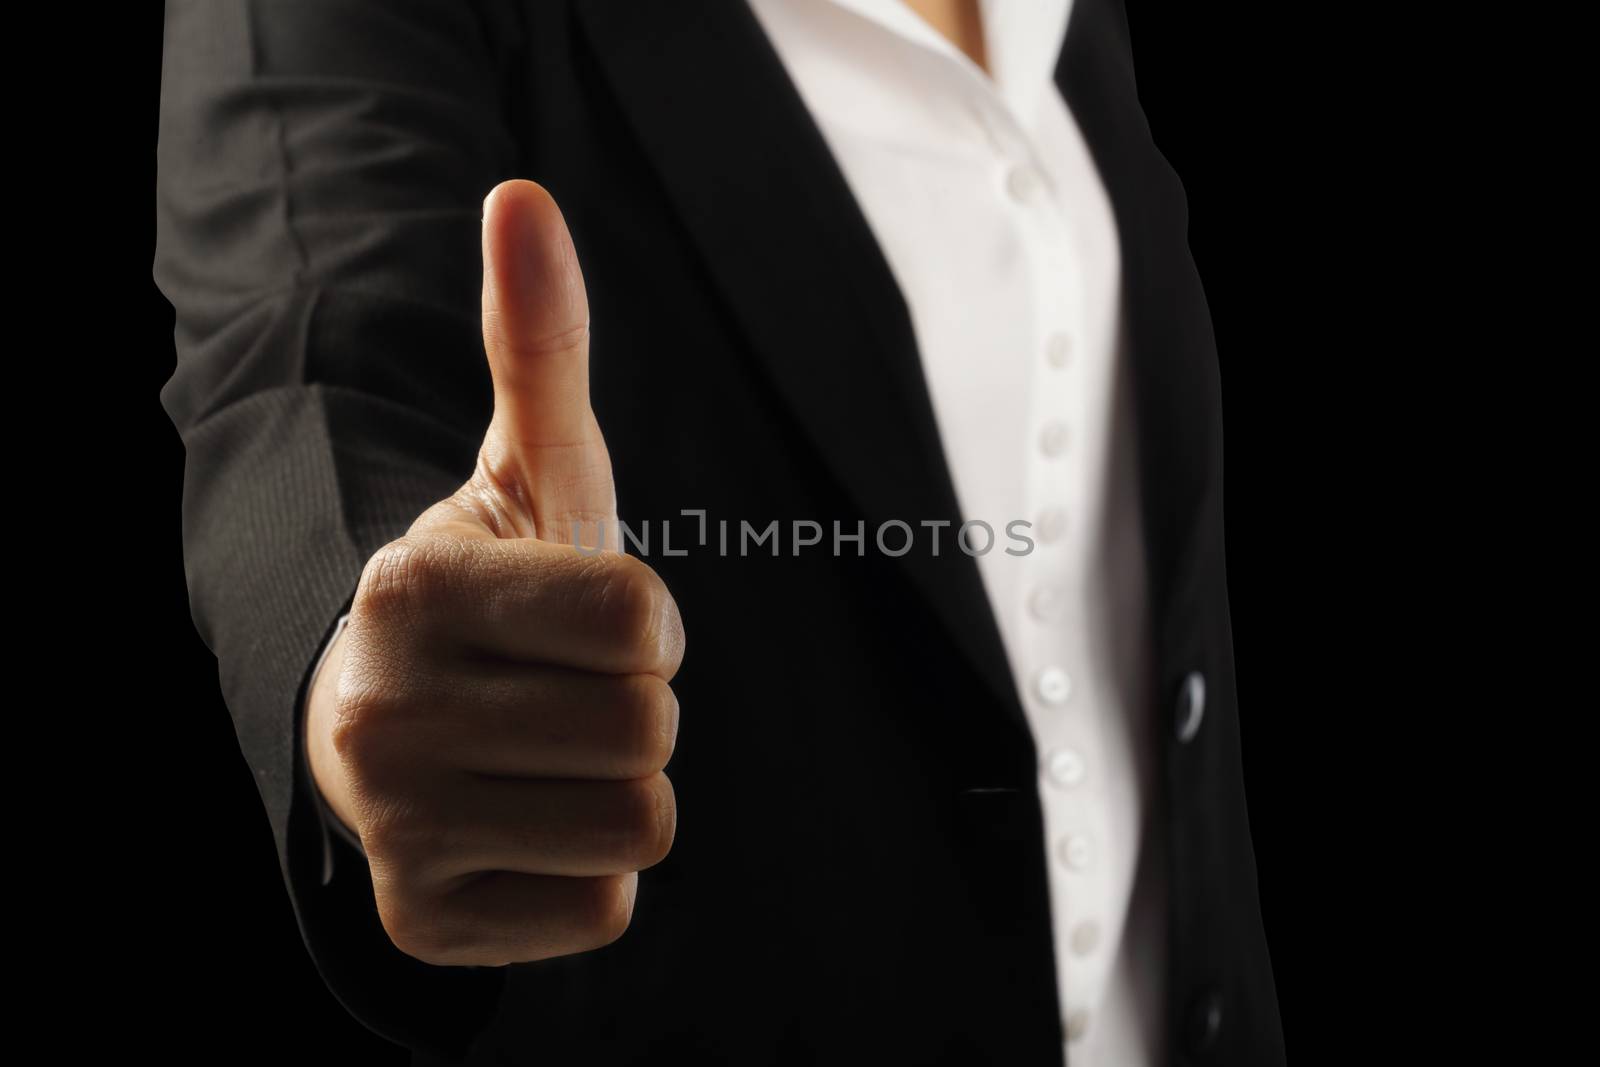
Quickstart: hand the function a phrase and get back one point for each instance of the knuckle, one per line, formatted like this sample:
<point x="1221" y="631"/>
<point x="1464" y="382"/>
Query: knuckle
<point x="405" y="576"/>
<point x="636" y="606"/>
<point x="650" y="725"/>
<point x="650" y="820"/>
<point x="525" y="352"/>
<point x="393" y="828"/>
<point x="419" y="931"/>
<point x="604" y="912"/>
<point x="352" y="738"/>
<point x="365" y="708"/>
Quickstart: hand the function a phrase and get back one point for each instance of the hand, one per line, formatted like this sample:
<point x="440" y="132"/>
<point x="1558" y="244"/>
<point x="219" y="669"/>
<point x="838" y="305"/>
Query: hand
<point x="494" y="720"/>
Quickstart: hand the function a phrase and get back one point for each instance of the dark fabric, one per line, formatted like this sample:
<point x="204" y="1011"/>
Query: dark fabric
<point x="859" y="872"/>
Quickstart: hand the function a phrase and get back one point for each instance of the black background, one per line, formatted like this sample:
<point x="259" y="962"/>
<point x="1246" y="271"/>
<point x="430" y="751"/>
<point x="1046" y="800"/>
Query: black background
<point x="1257" y="109"/>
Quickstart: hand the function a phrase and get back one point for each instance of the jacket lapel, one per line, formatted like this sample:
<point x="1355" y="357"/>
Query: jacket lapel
<point x="786" y="243"/>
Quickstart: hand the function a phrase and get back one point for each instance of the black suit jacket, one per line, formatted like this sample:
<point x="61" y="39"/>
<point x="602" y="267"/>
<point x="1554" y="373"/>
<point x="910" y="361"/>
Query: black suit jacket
<point x="859" y="871"/>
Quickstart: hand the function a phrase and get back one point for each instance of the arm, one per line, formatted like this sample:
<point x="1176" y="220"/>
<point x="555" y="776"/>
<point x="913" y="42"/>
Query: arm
<point x="321" y="169"/>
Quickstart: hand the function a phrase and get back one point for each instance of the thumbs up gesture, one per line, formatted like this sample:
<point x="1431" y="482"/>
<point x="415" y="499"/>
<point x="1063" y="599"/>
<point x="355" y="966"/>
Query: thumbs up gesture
<point x="494" y="720"/>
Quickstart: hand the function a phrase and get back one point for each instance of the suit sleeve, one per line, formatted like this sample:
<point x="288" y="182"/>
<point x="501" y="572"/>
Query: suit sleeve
<point x="321" y="171"/>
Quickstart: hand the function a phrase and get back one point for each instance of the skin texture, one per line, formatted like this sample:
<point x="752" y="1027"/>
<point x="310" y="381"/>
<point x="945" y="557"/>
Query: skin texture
<point x="494" y="720"/>
<point x="959" y="21"/>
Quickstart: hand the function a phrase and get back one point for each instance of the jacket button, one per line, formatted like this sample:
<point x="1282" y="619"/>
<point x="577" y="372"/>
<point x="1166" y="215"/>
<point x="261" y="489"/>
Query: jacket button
<point x="1204" y="1022"/>
<point x="1191" y="707"/>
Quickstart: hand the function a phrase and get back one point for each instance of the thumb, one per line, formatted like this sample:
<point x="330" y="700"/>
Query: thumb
<point x="543" y="469"/>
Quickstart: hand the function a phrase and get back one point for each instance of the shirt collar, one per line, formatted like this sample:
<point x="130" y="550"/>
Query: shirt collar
<point x="1022" y="39"/>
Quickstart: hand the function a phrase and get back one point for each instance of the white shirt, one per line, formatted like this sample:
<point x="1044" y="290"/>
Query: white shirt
<point x="992" y="216"/>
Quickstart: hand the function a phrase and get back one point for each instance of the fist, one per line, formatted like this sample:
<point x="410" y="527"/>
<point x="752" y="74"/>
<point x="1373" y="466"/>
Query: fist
<point x="495" y="719"/>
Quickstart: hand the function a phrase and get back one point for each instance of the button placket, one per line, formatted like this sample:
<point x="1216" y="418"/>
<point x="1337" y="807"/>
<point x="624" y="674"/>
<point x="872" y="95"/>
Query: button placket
<point x="1053" y="686"/>
<point x="1052" y="590"/>
<point x="1024" y="183"/>
<point x="1046" y="602"/>
<point x="1051" y="525"/>
<point x="1064" y="766"/>
<point x="1074" y="850"/>
<point x="1044" y="209"/>
<point x="1053" y="439"/>
<point x="1058" y="349"/>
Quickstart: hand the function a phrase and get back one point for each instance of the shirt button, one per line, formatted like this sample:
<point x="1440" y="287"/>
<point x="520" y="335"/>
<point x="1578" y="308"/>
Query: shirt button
<point x="1053" y="439"/>
<point x="1074" y="851"/>
<point x="1053" y="685"/>
<point x="1085" y="937"/>
<point x="1065" y="767"/>
<point x="1058" y="350"/>
<point x="1077" y="1024"/>
<point x="1046" y="603"/>
<point x="1191" y="707"/>
<point x="1052" y="525"/>
<point x="1023" y="182"/>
